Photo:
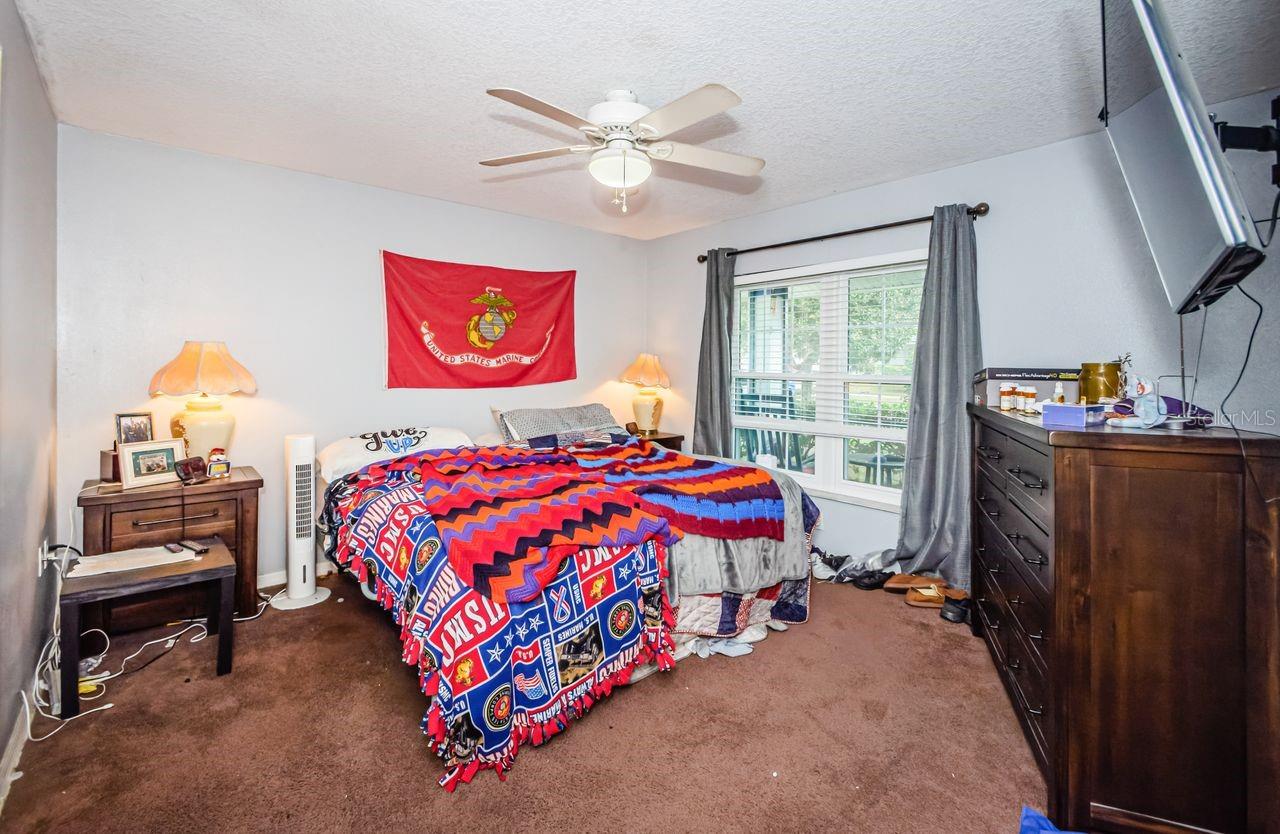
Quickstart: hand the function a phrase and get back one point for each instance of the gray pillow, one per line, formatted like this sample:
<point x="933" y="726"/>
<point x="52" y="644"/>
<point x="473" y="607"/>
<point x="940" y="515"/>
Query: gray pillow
<point x="523" y="423"/>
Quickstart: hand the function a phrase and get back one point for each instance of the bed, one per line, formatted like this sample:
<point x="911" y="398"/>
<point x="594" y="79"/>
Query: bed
<point x="528" y="581"/>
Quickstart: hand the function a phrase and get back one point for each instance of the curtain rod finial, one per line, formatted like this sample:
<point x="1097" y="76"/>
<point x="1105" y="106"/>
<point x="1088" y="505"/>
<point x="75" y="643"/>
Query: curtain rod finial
<point x="702" y="259"/>
<point x="980" y="210"/>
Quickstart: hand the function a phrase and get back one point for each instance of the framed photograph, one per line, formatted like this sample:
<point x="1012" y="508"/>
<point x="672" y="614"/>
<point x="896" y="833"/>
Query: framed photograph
<point x="150" y="462"/>
<point x="134" y="427"/>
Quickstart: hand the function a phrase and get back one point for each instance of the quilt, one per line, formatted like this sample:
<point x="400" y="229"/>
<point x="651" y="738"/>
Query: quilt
<point x="509" y="515"/>
<point x="498" y="676"/>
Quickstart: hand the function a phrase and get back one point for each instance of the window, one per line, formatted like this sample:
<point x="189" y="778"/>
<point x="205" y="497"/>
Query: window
<point x="822" y="372"/>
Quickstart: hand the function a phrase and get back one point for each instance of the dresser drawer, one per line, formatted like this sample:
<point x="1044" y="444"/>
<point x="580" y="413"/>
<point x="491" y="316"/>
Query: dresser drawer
<point x="993" y="616"/>
<point x="1030" y="481"/>
<point x="1027" y="610"/>
<point x="1032" y="550"/>
<point x="159" y="525"/>
<point x="989" y="444"/>
<point x="989" y="495"/>
<point x="1032" y="689"/>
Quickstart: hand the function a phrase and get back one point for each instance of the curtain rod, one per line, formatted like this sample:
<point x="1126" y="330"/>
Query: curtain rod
<point x="980" y="210"/>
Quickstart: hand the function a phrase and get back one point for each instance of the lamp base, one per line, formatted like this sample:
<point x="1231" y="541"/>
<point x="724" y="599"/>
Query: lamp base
<point x="647" y="407"/>
<point x="204" y="425"/>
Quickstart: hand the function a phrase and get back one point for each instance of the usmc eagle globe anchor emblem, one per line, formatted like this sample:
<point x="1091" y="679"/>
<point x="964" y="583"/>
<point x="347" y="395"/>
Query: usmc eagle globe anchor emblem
<point x="485" y="329"/>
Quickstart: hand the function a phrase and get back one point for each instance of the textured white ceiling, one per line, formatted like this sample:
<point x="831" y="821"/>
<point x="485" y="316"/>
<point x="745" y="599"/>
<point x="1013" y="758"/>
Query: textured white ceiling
<point x="836" y="95"/>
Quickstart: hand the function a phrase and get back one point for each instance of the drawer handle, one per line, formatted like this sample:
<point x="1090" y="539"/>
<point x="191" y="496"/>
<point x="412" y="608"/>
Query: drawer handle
<point x="1016" y="601"/>
<point x="989" y="453"/>
<point x="1039" y="635"/>
<point x="1012" y="536"/>
<point x="994" y="626"/>
<point x="1038" y="562"/>
<point x="1016" y="472"/>
<point x="154" y="522"/>
<point x="994" y="571"/>
<point x="1034" y="711"/>
<point x="985" y="511"/>
<point x="1013" y="664"/>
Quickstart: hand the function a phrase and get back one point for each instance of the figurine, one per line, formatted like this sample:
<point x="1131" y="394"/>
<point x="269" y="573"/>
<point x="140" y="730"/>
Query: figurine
<point x="1148" y="408"/>
<point x="219" y="463"/>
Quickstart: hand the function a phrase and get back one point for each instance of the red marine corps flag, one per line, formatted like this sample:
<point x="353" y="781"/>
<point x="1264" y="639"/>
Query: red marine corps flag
<point x="464" y="326"/>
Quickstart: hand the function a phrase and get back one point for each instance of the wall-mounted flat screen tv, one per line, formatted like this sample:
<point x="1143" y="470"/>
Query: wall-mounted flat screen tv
<point x="1201" y="234"/>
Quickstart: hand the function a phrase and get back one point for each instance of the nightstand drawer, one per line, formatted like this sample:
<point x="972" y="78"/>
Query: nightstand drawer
<point x="158" y="525"/>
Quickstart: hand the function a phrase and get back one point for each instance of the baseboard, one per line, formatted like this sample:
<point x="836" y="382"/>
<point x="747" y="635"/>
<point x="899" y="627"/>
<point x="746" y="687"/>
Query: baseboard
<point x="280" y="577"/>
<point x="12" y="755"/>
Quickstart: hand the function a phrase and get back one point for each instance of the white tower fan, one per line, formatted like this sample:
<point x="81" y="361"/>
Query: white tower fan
<point x="300" y="479"/>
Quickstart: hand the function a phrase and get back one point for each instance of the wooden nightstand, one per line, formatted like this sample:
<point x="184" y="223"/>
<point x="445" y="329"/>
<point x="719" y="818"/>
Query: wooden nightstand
<point x="149" y="516"/>
<point x="662" y="438"/>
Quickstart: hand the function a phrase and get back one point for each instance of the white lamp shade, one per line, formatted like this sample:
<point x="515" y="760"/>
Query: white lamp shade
<point x="647" y="372"/>
<point x="203" y="368"/>
<point x="620" y="167"/>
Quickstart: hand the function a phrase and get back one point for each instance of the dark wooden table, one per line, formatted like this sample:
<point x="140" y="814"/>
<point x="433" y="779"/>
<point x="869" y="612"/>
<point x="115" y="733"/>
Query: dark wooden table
<point x="215" y="569"/>
<point x="662" y="438"/>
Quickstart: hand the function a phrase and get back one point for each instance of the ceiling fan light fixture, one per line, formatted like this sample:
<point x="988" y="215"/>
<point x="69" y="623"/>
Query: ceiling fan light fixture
<point x="620" y="167"/>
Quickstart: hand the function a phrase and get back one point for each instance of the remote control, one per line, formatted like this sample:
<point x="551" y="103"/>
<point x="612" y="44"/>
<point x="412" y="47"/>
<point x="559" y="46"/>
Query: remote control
<point x="194" y="546"/>
<point x="173" y="548"/>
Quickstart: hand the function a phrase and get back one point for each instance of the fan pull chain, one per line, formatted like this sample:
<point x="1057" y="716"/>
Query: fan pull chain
<point x="624" y="181"/>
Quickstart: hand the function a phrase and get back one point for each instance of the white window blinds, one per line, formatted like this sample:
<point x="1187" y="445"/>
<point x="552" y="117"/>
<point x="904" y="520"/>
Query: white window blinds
<point x="827" y="355"/>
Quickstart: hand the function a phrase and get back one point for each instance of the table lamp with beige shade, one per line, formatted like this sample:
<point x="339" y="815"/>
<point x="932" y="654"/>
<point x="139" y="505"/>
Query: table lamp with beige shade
<point x="207" y="370"/>
<point x="646" y="372"/>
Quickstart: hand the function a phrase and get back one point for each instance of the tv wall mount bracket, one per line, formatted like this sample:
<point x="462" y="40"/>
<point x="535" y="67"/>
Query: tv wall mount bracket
<point x="1265" y="138"/>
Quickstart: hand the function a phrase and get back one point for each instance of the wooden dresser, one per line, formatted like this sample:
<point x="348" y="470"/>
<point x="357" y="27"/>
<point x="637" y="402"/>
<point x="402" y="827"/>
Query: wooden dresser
<point x="1126" y="584"/>
<point x="155" y="515"/>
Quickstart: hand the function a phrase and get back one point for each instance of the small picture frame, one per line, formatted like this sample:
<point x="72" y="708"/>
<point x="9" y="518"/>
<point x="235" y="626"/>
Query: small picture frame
<point x="134" y="427"/>
<point x="149" y="463"/>
<point x="191" y="470"/>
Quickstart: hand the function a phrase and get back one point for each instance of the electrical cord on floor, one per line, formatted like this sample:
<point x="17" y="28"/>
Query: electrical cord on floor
<point x="262" y="606"/>
<point x="50" y="658"/>
<point x="62" y="722"/>
<point x="170" y="639"/>
<point x="1248" y="352"/>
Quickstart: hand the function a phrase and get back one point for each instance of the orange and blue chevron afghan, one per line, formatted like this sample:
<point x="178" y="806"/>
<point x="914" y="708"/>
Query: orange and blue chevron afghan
<point x="509" y="516"/>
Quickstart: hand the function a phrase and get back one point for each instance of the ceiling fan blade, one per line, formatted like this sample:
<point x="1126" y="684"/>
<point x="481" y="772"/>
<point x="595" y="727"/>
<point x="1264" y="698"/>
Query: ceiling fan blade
<point x="542" y="108"/>
<point x="532" y="155"/>
<point x="697" y="157"/>
<point x="703" y="103"/>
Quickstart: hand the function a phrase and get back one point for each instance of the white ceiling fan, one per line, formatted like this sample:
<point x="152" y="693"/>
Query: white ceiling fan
<point x="623" y="136"/>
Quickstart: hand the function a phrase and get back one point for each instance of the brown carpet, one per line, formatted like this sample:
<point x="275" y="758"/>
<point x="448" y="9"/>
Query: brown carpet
<point x="873" y="717"/>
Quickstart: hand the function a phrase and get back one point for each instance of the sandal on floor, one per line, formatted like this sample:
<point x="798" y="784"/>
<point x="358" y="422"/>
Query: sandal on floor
<point x="871" y="580"/>
<point x="933" y="596"/>
<point x="906" y="581"/>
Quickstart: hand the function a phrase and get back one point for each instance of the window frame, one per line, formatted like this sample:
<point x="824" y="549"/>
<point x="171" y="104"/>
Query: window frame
<point x="828" y="479"/>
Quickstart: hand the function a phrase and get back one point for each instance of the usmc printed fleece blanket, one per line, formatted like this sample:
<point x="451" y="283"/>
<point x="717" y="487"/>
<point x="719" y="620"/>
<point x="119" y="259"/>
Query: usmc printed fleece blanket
<point x="508" y="663"/>
<point x="497" y="675"/>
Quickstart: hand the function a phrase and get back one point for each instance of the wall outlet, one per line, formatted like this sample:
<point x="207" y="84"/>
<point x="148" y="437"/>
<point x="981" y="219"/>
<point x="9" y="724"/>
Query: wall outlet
<point x="42" y="556"/>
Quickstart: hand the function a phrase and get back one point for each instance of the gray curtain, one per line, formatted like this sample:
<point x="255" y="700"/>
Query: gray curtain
<point x="933" y="528"/>
<point x="713" y="410"/>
